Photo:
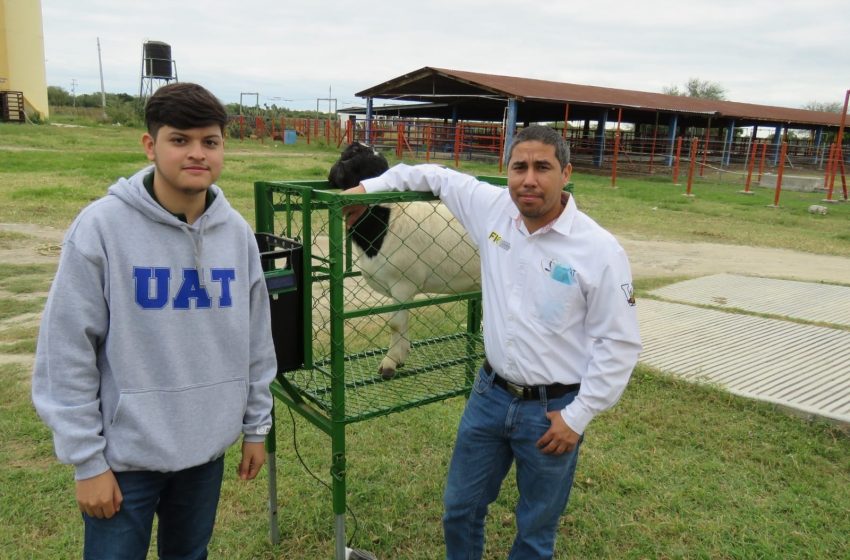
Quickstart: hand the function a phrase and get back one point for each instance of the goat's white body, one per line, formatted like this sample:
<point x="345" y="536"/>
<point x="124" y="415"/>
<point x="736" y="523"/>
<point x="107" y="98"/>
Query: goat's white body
<point x="425" y="250"/>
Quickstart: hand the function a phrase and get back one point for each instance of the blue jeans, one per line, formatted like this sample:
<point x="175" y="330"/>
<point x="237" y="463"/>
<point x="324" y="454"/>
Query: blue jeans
<point x="496" y="429"/>
<point x="185" y="502"/>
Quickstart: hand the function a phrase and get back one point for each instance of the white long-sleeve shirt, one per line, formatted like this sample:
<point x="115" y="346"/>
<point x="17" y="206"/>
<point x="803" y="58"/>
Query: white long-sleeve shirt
<point x="558" y="304"/>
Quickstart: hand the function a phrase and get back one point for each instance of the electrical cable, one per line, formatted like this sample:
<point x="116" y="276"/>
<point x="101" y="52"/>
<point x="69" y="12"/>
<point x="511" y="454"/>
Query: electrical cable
<point x="322" y="482"/>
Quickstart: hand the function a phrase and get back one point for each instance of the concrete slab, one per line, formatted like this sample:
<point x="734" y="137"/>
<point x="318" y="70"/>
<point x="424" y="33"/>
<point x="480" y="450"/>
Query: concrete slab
<point x="803" y="367"/>
<point x="817" y="303"/>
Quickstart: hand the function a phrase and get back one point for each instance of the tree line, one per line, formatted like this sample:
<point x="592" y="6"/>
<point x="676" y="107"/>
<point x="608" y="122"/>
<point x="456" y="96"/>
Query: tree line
<point x="705" y="89"/>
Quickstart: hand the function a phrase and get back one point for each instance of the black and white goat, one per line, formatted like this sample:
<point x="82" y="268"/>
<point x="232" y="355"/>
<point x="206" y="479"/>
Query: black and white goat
<point x="404" y="250"/>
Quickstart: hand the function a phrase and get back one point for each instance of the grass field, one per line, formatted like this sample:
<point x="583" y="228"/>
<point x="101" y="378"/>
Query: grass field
<point x="673" y="471"/>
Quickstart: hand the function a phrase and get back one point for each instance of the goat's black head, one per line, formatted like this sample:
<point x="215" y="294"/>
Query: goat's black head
<point x="357" y="162"/>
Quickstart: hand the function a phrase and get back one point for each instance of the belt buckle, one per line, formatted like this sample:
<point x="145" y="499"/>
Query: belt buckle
<point x="516" y="390"/>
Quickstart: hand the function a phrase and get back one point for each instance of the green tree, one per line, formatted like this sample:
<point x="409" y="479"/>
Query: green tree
<point x="58" y="97"/>
<point x="825" y="106"/>
<point x="698" y="88"/>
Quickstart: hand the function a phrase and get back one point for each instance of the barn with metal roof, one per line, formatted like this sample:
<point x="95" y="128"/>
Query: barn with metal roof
<point x="461" y="96"/>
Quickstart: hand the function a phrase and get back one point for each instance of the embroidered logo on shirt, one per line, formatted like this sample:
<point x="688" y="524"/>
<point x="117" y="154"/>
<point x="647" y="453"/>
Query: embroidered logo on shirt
<point x="497" y="239"/>
<point x="263" y="430"/>
<point x="630" y="293"/>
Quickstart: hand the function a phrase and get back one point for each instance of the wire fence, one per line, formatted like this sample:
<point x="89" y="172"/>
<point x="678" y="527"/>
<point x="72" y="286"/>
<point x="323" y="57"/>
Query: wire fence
<point x="647" y="152"/>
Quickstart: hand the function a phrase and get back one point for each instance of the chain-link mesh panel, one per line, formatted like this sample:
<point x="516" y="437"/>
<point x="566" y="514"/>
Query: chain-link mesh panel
<point x="416" y="300"/>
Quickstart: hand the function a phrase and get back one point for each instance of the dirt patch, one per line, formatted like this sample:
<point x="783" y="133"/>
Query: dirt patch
<point x="33" y="244"/>
<point x="670" y="258"/>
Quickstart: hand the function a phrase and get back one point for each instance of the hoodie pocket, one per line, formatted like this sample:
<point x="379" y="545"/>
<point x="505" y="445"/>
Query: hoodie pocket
<point x="173" y="429"/>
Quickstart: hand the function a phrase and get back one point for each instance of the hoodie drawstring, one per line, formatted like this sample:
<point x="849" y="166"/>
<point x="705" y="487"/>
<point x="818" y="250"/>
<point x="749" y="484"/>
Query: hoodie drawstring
<point x="197" y="244"/>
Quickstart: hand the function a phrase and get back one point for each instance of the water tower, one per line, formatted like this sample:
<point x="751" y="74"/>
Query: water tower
<point x="23" y="80"/>
<point x="158" y="68"/>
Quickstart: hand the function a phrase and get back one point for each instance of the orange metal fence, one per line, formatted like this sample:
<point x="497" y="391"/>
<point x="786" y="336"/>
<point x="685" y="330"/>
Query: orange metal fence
<point x="620" y="151"/>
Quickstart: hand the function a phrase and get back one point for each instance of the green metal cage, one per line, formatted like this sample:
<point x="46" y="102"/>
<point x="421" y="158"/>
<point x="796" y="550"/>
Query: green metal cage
<point x="345" y="334"/>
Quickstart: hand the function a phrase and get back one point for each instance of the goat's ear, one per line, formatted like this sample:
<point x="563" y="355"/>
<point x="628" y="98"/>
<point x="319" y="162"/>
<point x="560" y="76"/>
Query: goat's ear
<point x="336" y="176"/>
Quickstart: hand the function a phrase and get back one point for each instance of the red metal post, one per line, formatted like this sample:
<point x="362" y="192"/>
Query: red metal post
<point x="829" y="160"/>
<point x="458" y="128"/>
<point x="761" y="161"/>
<point x="614" y="159"/>
<point x="750" y="166"/>
<point x="692" y="164"/>
<point x="839" y="152"/>
<point x="705" y="149"/>
<point x="676" y="161"/>
<point x="566" y="120"/>
<point x="616" y="149"/>
<point x="501" y="146"/>
<point x="779" y="174"/>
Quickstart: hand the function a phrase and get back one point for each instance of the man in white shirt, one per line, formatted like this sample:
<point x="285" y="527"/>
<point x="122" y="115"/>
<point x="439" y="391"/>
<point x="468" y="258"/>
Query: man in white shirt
<point x="560" y="335"/>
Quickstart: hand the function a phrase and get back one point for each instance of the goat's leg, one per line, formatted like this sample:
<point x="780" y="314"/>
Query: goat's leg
<point x="399" y="344"/>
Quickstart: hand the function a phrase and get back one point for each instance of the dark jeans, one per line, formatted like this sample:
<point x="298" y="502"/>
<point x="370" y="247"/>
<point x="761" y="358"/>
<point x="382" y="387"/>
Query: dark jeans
<point x="185" y="503"/>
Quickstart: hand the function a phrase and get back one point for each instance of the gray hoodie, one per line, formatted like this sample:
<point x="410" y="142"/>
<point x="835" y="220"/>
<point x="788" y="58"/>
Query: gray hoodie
<point x="155" y="348"/>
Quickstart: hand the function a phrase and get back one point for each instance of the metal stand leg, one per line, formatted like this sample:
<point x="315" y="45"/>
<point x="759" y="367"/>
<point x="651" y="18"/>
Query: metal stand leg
<point x="274" y="527"/>
<point x="271" y="462"/>
<point x="339" y="534"/>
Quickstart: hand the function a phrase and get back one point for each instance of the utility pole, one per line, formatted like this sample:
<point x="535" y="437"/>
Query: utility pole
<point x="102" y="90"/>
<point x="74" y="92"/>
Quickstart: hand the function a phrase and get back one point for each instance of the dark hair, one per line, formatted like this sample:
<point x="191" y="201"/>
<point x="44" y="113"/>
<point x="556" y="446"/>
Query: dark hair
<point x="545" y="135"/>
<point x="183" y="106"/>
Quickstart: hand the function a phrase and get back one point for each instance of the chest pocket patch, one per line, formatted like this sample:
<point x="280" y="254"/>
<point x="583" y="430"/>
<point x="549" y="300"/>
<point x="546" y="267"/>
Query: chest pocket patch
<point x="556" y="299"/>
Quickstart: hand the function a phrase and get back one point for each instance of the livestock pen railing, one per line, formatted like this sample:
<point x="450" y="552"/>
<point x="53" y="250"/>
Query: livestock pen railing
<point x="344" y="328"/>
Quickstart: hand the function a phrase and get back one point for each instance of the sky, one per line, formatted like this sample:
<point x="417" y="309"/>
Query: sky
<point x="292" y="53"/>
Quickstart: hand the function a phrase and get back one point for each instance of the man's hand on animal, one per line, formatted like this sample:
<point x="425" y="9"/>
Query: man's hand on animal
<point x="559" y="438"/>
<point x="352" y="213"/>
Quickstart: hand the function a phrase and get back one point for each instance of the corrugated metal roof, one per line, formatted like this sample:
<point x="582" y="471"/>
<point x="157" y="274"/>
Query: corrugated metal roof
<point x="432" y="84"/>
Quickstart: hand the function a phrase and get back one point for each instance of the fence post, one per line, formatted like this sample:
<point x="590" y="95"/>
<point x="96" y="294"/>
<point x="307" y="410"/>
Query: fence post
<point x="457" y="144"/>
<point x="614" y="159"/>
<point x="676" y="161"/>
<point x="501" y="147"/>
<point x="705" y="149"/>
<point x="779" y="171"/>
<point x="692" y="164"/>
<point x="761" y="161"/>
<point x="654" y="135"/>
<point x="750" y="166"/>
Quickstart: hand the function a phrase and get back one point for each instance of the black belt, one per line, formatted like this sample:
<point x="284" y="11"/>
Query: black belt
<point x="553" y="391"/>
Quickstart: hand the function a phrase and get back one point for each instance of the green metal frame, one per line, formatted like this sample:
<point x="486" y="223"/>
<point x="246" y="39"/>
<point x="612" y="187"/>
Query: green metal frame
<point x="344" y="387"/>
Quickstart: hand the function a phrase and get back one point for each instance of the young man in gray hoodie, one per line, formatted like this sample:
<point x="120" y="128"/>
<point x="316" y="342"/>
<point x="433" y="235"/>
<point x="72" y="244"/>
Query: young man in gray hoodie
<point x="155" y="349"/>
